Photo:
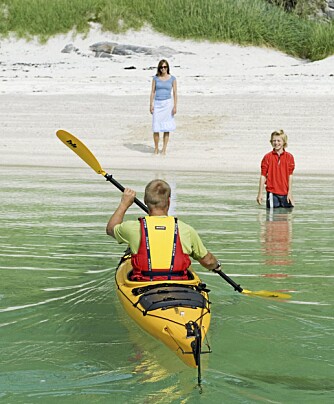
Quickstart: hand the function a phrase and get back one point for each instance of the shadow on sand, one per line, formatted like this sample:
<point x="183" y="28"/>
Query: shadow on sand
<point x="143" y="148"/>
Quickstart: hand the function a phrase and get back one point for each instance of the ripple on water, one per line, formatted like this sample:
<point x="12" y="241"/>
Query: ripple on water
<point x="63" y="333"/>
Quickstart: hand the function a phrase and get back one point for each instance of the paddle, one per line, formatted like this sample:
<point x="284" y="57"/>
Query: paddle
<point x="263" y="293"/>
<point x="88" y="157"/>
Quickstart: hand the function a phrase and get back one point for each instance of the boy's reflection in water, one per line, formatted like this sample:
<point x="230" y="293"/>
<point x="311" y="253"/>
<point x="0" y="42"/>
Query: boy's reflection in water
<point x="276" y="236"/>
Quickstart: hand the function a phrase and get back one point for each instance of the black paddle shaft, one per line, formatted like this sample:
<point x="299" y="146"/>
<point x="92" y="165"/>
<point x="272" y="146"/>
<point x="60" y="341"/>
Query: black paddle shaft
<point x="229" y="280"/>
<point x="110" y="178"/>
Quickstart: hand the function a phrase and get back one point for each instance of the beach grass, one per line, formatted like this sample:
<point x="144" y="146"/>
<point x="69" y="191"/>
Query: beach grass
<point x="244" y="22"/>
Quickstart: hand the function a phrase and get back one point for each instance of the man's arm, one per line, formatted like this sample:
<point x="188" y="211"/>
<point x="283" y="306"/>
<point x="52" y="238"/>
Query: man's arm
<point x="127" y="200"/>
<point x="209" y="261"/>
<point x="199" y="251"/>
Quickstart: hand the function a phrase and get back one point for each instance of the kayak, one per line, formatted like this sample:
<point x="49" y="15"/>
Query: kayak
<point x="176" y="312"/>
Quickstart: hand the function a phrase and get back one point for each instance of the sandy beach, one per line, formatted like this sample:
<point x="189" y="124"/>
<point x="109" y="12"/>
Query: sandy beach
<point x="230" y="99"/>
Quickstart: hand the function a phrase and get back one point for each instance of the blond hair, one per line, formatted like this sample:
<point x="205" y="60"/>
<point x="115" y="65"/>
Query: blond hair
<point x="157" y="194"/>
<point x="283" y="135"/>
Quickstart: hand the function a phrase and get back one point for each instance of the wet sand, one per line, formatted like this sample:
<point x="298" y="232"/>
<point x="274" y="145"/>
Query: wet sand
<point x="214" y="133"/>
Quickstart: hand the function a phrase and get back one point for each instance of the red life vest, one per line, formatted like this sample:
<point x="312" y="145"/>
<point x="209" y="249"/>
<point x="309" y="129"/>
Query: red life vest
<point x="160" y="255"/>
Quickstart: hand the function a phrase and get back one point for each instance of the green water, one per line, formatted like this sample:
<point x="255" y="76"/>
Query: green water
<point x="64" y="337"/>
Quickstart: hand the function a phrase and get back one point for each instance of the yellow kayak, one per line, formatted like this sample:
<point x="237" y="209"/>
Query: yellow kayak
<point x="175" y="312"/>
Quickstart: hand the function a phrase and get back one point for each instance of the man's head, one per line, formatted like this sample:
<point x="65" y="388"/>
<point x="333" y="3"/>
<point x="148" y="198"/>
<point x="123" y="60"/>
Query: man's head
<point x="157" y="195"/>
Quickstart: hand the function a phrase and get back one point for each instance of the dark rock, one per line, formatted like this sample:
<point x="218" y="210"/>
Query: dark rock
<point x="112" y="48"/>
<point x="288" y="5"/>
<point x="126" y="50"/>
<point x="69" y="49"/>
<point x="106" y="47"/>
<point x="103" y="55"/>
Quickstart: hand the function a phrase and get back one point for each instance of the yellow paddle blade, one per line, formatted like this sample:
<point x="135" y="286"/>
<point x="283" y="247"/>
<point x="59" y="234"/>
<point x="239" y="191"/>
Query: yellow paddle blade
<point x="81" y="150"/>
<point x="267" y="293"/>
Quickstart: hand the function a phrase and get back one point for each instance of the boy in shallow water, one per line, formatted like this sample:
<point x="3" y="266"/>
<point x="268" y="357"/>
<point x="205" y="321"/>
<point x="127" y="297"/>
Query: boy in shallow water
<point x="277" y="168"/>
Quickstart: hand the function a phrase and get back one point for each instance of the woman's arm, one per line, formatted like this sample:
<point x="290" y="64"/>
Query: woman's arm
<point x="175" y="96"/>
<point x="152" y="96"/>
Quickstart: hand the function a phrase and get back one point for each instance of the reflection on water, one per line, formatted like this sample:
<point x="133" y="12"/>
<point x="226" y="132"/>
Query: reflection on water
<point x="65" y="338"/>
<point x="276" y="236"/>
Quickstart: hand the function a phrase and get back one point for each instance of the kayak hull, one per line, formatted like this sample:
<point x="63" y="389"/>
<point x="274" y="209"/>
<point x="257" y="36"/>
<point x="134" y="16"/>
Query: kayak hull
<point x="175" y="312"/>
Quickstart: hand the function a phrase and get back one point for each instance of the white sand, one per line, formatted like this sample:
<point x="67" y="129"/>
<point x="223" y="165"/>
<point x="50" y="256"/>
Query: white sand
<point x="230" y="99"/>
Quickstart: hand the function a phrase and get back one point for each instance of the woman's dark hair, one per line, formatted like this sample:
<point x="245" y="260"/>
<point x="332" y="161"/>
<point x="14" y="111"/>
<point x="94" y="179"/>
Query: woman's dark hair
<point x="162" y="62"/>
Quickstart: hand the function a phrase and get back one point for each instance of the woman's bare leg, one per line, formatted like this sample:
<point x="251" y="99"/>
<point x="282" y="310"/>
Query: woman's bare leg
<point x="156" y="142"/>
<point x="165" y="142"/>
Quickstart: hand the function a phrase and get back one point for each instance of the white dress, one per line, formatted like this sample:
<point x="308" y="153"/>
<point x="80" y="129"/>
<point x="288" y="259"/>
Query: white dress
<point x="163" y="118"/>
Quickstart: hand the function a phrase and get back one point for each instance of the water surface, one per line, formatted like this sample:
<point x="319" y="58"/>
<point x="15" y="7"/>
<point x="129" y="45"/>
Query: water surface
<point x="65" y="338"/>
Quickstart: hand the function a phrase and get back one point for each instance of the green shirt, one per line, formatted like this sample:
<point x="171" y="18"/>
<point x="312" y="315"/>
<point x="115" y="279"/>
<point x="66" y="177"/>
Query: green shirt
<point x="129" y="232"/>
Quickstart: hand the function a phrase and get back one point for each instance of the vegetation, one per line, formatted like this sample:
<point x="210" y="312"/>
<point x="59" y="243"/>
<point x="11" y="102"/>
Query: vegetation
<point x="303" y="8"/>
<point x="245" y="22"/>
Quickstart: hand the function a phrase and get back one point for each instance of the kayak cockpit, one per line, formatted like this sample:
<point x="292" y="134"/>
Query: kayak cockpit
<point x="169" y="295"/>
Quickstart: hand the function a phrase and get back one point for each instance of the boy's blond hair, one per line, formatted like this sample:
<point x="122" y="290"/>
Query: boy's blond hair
<point x="283" y="135"/>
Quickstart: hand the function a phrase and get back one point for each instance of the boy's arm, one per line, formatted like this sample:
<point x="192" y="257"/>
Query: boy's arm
<point x="289" y="196"/>
<point x="261" y="185"/>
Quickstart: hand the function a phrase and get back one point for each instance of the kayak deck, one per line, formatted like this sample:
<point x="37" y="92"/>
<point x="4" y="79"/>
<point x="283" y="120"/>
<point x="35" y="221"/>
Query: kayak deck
<point x="175" y="312"/>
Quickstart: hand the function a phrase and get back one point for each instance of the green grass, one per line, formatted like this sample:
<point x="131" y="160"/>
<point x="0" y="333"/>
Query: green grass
<point x="244" y="22"/>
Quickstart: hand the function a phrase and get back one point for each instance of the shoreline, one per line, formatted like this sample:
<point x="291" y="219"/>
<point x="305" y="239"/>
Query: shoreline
<point x="230" y="99"/>
<point x="229" y="134"/>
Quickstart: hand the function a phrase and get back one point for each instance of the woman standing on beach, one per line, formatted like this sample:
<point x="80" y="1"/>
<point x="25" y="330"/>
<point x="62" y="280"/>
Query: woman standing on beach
<point x="162" y="107"/>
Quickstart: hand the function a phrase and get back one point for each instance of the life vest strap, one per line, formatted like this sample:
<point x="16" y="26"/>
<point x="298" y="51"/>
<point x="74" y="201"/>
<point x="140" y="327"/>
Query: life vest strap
<point x="162" y="273"/>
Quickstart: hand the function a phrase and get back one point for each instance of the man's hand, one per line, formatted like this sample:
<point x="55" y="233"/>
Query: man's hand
<point x="127" y="200"/>
<point x="128" y="197"/>
<point x="209" y="261"/>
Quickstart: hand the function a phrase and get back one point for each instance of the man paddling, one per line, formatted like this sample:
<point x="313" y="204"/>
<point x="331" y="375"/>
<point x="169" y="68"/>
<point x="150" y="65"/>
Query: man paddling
<point x="160" y="244"/>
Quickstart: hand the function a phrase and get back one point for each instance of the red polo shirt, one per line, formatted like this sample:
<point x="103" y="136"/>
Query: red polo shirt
<point x="277" y="169"/>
